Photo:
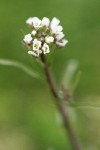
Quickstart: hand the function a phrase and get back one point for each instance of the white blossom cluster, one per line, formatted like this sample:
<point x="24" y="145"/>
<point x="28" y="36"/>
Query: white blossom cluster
<point x="44" y="33"/>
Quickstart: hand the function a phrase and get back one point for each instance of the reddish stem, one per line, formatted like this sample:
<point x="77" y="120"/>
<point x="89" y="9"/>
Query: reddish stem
<point x="63" y="111"/>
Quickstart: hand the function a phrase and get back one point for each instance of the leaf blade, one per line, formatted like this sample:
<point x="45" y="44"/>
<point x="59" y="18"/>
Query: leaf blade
<point x="84" y="105"/>
<point x="26" y="69"/>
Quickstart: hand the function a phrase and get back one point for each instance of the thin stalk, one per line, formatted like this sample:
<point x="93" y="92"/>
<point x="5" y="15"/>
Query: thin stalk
<point x="69" y="130"/>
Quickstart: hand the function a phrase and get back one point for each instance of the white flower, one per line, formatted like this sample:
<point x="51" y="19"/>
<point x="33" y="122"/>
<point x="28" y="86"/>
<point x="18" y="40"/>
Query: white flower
<point x="43" y="32"/>
<point x="59" y="29"/>
<point x="29" y="21"/>
<point x="60" y="36"/>
<point x="45" y="22"/>
<point x="62" y="43"/>
<point x="35" y="53"/>
<point x="36" y="44"/>
<point x="36" y="23"/>
<point x="33" y="32"/>
<point x="27" y="39"/>
<point x="54" y="26"/>
<point x="49" y="39"/>
<point x="56" y="29"/>
<point x="55" y="22"/>
<point x="45" y="48"/>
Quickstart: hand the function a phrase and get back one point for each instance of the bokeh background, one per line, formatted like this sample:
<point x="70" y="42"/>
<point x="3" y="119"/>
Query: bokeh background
<point x="28" y="118"/>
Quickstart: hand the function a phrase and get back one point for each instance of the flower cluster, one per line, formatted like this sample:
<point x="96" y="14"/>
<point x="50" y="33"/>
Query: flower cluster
<point x="44" y="33"/>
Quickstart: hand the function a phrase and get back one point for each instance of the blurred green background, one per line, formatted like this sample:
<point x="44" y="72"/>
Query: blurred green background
<point x="28" y="118"/>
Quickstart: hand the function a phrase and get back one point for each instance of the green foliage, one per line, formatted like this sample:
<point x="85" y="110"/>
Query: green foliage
<point x="75" y="82"/>
<point x="70" y="77"/>
<point x="26" y="69"/>
<point x="69" y="72"/>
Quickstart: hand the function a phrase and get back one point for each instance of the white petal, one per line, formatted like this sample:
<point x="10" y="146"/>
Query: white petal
<point x="60" y="36"/>
<point x="27" y="39"/>
<point x="36" y="44"/>
<point x="55" y="21"/>
<point x="35" y="19"/>
<point x="62" y="43"/>
<point x="56" y="29"/>
<point x="65" y="41"/>
<point x="45" y="22"/>
<point x="29" y="21"/>
<point x="33" y="53"/>
<point x="53" y="29"/>
<point x="59" y="28"/>
<point x="36" y="23"/>
<point x="49" y="39"/>
<point x="33" y="32"/>
<point x="45" y="48"/>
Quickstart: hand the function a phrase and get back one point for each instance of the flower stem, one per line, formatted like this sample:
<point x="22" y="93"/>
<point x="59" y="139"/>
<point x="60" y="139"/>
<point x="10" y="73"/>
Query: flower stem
<point x="69" y="130"/>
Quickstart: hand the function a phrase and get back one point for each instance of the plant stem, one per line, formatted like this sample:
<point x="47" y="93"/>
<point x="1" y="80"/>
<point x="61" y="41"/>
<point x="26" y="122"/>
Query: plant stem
<point x="74" y="142"/>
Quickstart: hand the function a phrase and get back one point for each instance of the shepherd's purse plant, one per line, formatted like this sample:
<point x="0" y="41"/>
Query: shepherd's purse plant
<point x="44" y="38"/>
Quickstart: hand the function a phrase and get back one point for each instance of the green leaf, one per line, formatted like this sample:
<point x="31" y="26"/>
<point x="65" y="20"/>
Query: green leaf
<point x="26" y="69"/>
<point x="69" y="73"/>
<point x="75" y="82"/>
<point x="84" y="105"/>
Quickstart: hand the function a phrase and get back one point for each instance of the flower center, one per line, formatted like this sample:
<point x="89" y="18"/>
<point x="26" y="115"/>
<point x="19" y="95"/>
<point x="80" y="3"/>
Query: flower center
<point x="36" y="46"/>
